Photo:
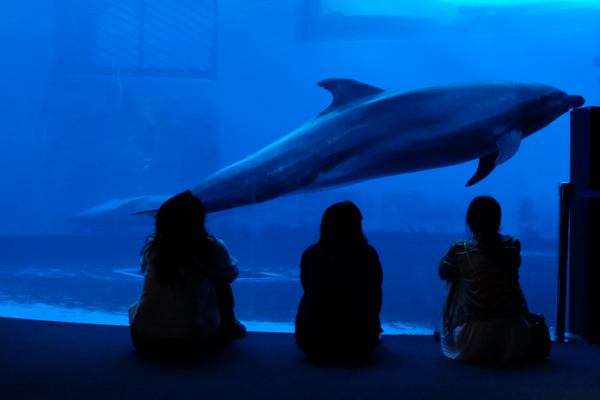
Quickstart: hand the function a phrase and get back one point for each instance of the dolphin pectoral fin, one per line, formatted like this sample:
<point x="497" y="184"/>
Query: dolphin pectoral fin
<point x="508" y="146"/>
<point x="346" y="90"/>
<point x="486" y="166"/>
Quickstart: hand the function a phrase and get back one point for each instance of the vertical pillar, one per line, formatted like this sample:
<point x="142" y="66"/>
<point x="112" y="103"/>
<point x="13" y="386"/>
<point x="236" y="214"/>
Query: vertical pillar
<point x="565" y="192"/>
<point x="584" y="259"/>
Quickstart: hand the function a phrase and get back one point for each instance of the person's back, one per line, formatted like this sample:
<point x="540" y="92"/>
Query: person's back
<point x="485" y="306"/>
<point x="490" y="281"/>
<point x="338" y="317"/>
<point x="186" y="301"/>
<point x="186" y="307"/>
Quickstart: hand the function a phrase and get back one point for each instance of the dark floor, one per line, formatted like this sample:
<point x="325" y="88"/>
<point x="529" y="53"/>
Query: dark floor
<point x="51" y="360"/>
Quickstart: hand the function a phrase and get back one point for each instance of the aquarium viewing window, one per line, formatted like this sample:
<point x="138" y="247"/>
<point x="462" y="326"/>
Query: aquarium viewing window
<point x="113" y="105"/>
<point x="148" y="38"/>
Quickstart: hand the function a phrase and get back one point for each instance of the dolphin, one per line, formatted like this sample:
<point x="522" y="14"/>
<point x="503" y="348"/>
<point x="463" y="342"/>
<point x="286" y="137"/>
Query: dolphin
<point x="369" y="133"/>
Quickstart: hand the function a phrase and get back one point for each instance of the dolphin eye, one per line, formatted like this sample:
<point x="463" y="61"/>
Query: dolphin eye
<point x="543" y="99"/>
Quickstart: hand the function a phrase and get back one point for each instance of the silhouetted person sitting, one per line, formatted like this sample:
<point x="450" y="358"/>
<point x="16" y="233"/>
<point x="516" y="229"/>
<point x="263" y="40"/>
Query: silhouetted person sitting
<point x="338" y="317"/>
<point x="483" y="317"/>
<point x="186" y="302"/>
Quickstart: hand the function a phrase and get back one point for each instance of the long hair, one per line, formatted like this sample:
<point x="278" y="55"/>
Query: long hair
<point x="483" y="217"/>
<point x="180" y="239"/>
<point x="341" y="225"/>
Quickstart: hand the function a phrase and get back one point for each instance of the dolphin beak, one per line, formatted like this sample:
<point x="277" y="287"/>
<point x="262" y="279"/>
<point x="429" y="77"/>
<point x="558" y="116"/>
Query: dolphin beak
<point x="573" y="101"/>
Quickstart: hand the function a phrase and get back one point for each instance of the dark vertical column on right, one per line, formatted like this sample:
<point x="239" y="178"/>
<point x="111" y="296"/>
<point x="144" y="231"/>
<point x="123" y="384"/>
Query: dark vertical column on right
<point x="584" y="259"/>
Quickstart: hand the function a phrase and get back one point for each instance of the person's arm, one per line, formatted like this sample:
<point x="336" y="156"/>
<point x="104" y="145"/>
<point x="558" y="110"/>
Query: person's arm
<point x="448" y="268"/>
<point x="518" y="250"/>
<point x="517" y="261"/>
<point x="304" y="271"/>
<point x="377" y="272"/>
<point x="225" y="266"/>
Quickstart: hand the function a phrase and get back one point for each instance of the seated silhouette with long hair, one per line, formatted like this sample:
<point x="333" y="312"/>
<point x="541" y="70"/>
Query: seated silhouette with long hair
<point x="338" y="317"/>
<point x="186" y="301"/>
<point x="485" y="309"/>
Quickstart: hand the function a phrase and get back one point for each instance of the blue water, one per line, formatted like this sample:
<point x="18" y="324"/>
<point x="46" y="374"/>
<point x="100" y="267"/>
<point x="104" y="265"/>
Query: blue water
<point x="97" y="286"/>
<point x="89" y="115"/>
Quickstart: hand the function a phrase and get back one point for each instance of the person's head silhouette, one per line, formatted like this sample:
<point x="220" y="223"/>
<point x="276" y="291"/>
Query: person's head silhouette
<point x="180" y="238"/>
<point x="342" y="222"/>
<point x="180" y="220"/>
<point x="483" y="215"/>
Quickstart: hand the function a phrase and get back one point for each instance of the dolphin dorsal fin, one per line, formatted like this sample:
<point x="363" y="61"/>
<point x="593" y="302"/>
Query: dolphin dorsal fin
<point x="345" y="91"/>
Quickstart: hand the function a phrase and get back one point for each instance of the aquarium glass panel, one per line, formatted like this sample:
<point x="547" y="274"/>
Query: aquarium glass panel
<point x="111" y="107"/>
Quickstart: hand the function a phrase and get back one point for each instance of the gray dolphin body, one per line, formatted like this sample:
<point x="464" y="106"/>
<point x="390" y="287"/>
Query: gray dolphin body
<point x="369" y="133"/>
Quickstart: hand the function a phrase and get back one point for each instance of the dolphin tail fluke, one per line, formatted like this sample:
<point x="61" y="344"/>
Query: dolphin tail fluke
<point x="486" y="166"/>
<point x="151" y="213"/>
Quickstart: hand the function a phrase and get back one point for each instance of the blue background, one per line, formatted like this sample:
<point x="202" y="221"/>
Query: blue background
<point x="73" y="139"/>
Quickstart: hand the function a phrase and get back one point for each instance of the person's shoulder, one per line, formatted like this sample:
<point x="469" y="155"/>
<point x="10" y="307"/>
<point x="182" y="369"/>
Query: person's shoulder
<point x="510" y="241"/>
<point x="219" y="249"/>
<point x="509" y="238"/>
<point x="312" y="250"/>
<point x="218" y="243"/>
<point x="370" y="250"/>
<point x="460" y="244"/>
<point x="312" y="255"/>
